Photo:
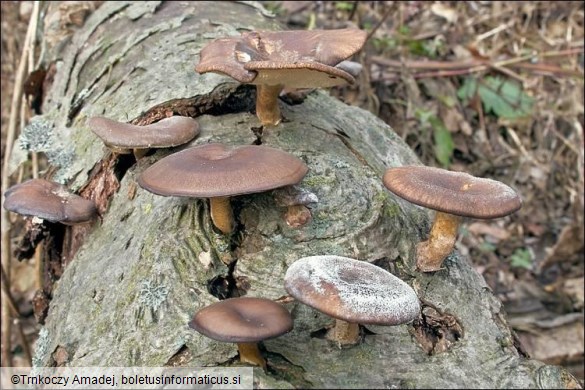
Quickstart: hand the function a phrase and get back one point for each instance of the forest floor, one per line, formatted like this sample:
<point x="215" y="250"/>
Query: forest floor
<point x="494" y="89"/>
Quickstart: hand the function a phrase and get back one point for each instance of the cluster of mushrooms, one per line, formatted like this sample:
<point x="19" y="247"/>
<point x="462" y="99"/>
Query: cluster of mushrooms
<point x="351" y="291"/>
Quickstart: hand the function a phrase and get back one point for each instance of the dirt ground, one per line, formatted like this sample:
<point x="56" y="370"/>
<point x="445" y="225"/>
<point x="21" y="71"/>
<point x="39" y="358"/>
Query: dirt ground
<point x="491" y="88"/>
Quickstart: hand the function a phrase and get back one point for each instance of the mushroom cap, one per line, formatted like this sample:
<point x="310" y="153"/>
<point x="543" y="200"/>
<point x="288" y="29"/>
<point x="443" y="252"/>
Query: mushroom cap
<point x="165" y="133"/>
<point x="242" y="320"/>
<point x="213" y="170"/>
<point x="47" y="200"/>
<point x="456" y="193"/>
<point x="351" y="290"/>
<point x="260" y="57"/>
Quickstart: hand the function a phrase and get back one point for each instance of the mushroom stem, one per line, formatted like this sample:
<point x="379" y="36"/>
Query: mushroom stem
<point x="221" y="214"/>
<point x="267" y="109"/>
<point x="250" y="353"/>
<point x="139" y="153"/>
<point x="345" y="333"/>
<point x="431" y="253"/>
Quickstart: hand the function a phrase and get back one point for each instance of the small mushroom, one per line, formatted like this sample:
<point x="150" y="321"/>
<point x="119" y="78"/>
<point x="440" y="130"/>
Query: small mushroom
<point x="272" y="60"/>
<point x="122" y="138"/>
<point x="453" y="195"/>
<point x="245" y="321"/>
<point x="48" y="200"/>
<point x="353" y="292"/>
<point x="218" y="171"/>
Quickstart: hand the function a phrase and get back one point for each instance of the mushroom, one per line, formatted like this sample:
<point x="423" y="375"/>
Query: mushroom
<point x="245" y="321"/>
<point x="122" y="138"/>
<point x="353" y="292"/>
<point x="218" y="171"/>
<point x="48" y="200"/>
<point x="272" y="60"/>
<point x="453" y="195"/>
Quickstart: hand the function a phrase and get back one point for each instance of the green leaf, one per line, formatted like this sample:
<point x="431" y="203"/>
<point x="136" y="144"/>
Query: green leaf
<point x="444" y="145"/>
<point x="504" y="98"/>
<point x="467" y="90"/>
<point x="521" y="258"/>
<point x="343" y="5"/>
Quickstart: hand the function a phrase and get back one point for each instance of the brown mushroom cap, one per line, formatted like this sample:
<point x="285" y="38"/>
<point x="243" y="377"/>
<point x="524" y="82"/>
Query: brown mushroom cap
<point x="259" y="57"/>
<point x="165" y="133"/>
<point x="242" y="320"/>
<point x="215" y="170"/>
<point x="351" y="290"/>
<point x="456" y="193"/>
<point x="47" y="200"/>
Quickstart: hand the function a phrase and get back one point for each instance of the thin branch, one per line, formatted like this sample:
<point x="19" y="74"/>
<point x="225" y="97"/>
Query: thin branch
<point x="6" y="350"/>
<point x="380" y="22"/>
<point x="7" y="294"/>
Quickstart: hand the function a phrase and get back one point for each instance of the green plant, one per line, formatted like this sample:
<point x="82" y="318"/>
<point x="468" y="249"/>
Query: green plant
<point x="443" y="144"/>
<point x="344" y="5"/>
<point x="504" y="98"/>
<point x="521" y="258"/>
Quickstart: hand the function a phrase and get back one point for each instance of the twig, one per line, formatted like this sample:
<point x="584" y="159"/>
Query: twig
<point x="5" y="353"/>
<point x="548" y="69"/>
<point x="494" y="31"/>
<point x="380" y="22"/>
<point x="430" y="65"/>
<point x="434" y="65"/>
<point x="7" y="294"/>
<point x="353" y="10"/>
<point x="24" y="342"/>
<point x="449" y="73"/>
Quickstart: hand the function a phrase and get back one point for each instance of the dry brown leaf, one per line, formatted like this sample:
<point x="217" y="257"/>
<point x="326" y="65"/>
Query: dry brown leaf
<point x="574" y="289"/>
<point x="570" y="242"/>
<point x="489" y="229"/>
<point x="555" y="345"/>
<point x="445" y="12"/>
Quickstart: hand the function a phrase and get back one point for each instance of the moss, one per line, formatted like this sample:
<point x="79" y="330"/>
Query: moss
<point x="381" y="197"/>
<point x="391" y="209"/>
<point x="146" y="208"/>
<point x="317" y="181"/>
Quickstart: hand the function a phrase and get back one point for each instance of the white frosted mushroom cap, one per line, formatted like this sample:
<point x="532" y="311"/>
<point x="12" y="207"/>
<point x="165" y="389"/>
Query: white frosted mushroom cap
<point x="351" y="290"/>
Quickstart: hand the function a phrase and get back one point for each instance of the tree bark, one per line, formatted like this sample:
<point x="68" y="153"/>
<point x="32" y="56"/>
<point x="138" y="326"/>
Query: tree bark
<point x="143" y="270"/>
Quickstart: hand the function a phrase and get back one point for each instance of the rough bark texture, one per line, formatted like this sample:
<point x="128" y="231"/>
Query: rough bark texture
<point x="129" y="292"/>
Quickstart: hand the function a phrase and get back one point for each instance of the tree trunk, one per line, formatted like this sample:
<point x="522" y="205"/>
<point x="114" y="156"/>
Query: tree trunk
<point x="151" y="262"/>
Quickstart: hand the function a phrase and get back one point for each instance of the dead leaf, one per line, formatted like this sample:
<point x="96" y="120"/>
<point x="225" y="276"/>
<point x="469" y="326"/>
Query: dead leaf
<point x="445" y="12"/>
<point x="570" y="242"/>
<point x="574" y="289"/>
<point x="491" y="230"/>
<point x="555" y="345"/>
